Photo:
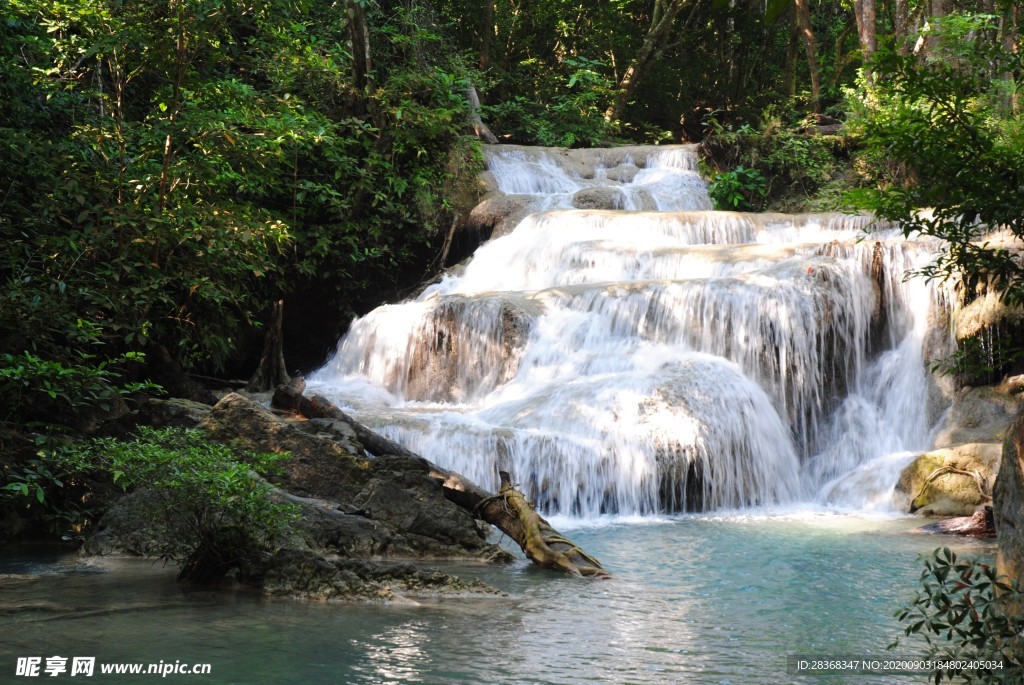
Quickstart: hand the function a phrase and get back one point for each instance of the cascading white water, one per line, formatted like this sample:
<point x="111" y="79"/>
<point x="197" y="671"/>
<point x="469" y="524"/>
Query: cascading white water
<point x="642" y="361"/>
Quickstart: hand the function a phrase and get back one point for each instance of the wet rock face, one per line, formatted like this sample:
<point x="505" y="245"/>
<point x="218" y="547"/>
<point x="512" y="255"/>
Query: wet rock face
<point x="498" y="214"/>
<point x="1008" y="504"/>
<point x="464" y="346"/>
<point x="978" y="415"/>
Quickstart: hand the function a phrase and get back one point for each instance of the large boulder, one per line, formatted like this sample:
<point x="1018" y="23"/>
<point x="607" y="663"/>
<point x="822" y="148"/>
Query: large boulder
<point x="1008" y="503"/>
<point x="599" y="197"/>
<point x="950" y="481"/>
<point x="328" y="463"/>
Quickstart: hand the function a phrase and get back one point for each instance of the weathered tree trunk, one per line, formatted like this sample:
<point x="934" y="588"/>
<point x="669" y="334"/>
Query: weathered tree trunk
<point x="901" y="25"/>
<point x="664" y="16"/>
<point x="271" y="371"/>
<point x="480" y="129"/>
<point x="508" y="510"/>
<point x="542" y="544"/>
<point x="789" y="69"/>
<point x="359" y="36"/>
<point x="803" y="19"/>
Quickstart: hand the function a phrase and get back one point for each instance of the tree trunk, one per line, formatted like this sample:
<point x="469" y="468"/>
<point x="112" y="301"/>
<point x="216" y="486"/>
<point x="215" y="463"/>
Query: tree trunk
<point x="486" y="33"/>
<point x="508" y="510"/>
<point x="271" y="371"/>
<point x="664" y="16"/>
<point x="480" y="129"/>
<point x="901" y="25"/>
<point x="864" y="11"/>
<point x="936" y="9"/>
<point x="359" y="36"/>
<point x="789" y="70"/>
<point x="803" y="20"/>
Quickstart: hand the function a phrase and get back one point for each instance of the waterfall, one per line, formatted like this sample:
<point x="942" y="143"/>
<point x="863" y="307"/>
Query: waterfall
<point x="654" y="355"/>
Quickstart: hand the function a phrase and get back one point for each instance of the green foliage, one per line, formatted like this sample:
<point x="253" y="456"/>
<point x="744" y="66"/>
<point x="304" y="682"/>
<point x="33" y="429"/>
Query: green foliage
<point x="771" y="164"/>
<point x="965" y="613"/>
<point x="168" y="169"/>
<point x="207" y="509"/>
<point x="981" y="359"/>
<point x="565" y="109"/>
<point x="50" y="392"/>
<point x="947" y="134"/>
<point x="740" y="189"/>
<point x="45" y="490"/>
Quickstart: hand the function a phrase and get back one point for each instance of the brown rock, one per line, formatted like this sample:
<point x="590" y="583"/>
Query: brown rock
<point x="1008" y="504"/>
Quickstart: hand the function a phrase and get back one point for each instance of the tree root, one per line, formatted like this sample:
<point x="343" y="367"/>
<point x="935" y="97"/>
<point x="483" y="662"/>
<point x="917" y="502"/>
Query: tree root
<point x="944" y="470"/>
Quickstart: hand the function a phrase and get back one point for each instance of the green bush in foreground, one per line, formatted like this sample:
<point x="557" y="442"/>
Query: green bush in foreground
<point x="965" y="613"/>
<point x="207" y="508"/>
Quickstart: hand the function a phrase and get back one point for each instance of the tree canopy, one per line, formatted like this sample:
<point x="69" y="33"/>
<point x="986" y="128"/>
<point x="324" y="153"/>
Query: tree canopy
<point x="170" y="168"/>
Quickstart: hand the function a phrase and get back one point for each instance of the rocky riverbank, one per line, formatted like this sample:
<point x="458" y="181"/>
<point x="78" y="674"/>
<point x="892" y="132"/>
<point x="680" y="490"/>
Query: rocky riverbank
<point x="364" y="523"/>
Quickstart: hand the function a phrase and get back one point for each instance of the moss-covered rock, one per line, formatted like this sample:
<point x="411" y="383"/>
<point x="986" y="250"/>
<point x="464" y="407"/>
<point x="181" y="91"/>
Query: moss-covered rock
<point x="950" y="481"/>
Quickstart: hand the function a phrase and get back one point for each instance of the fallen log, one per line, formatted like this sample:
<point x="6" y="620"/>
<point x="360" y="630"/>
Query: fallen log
<point x="509" y="510"/>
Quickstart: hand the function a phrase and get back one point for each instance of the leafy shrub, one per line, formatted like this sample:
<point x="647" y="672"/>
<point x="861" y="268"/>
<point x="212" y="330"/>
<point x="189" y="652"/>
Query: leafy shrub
<point x="790" y="163"/>
<point x="207" y="508"/>
<point x="740" y="189"/>
<point x="49" y="392"/>
<point x="965" y="613"/>
<point x="43" y="491"/>
<point x="566" y="111"/>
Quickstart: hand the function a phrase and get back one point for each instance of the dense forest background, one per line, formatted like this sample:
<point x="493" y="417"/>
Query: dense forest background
<point x="171" y="168"/>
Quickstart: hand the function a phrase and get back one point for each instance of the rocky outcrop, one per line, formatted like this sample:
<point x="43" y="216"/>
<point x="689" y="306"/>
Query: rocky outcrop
<point x="355" y="513"/>
<point x="1008" y="504"/>
<point x="498" y="214"/>
<point x="328" y="463"/>
<point x="979" y="415"/>
<point x="959" y="475"/>
<point x="950" y="481"/>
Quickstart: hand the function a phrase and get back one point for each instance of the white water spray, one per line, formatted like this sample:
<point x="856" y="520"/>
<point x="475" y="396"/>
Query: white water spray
<point x="633" y="362"/>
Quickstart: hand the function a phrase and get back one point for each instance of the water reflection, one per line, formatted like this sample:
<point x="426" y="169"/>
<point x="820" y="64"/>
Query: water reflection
<point x="695" y="599"/>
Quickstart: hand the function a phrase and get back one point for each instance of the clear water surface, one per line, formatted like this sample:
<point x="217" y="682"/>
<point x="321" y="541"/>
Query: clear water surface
<point x="722" y="598"/>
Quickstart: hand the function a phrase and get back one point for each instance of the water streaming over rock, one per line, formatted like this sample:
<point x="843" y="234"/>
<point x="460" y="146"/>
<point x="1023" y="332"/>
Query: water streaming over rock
<point x="656" y="356"/>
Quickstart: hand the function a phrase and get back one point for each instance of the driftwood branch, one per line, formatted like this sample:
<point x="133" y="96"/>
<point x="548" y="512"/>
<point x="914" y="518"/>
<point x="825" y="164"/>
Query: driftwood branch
<point x="508" y="510"/>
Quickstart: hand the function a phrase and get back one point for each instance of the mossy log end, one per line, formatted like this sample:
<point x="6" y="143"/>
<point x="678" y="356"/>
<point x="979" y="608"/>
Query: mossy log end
<point x="508" y="510"/>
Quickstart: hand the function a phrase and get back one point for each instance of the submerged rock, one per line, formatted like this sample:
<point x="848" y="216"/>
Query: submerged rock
<point x="306" y="574"/>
